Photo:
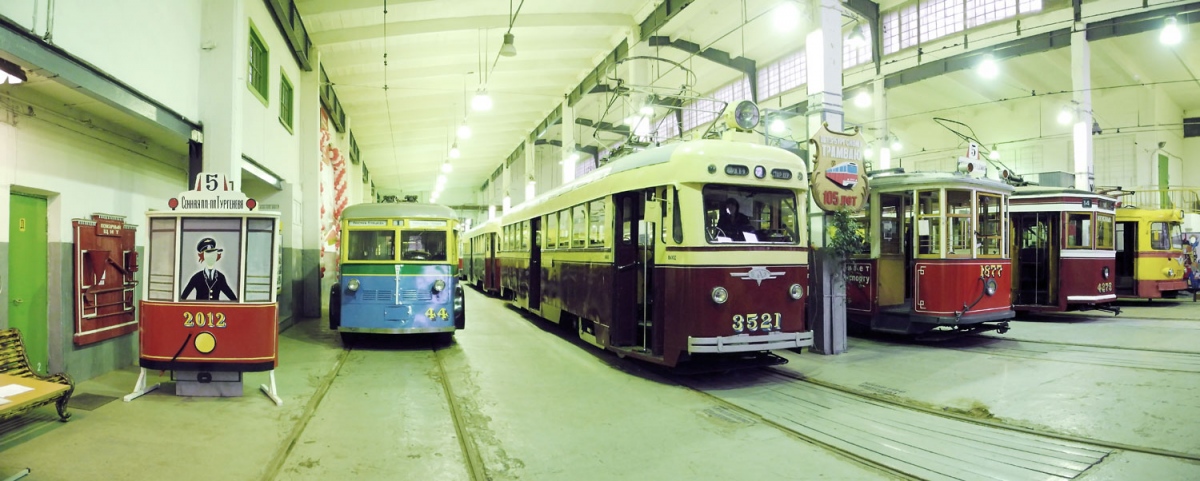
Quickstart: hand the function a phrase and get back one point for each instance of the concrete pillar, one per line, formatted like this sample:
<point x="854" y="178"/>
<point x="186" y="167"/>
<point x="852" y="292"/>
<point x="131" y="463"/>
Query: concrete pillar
<point x="531" y="172"/>
<point x="883" y="159"/>
<point x="223" y="70"/>
<point x="308" y="197"/>
<point x="570" y="157"/>
<point x="823" y="46"/>
<point x="1081" y="84"/>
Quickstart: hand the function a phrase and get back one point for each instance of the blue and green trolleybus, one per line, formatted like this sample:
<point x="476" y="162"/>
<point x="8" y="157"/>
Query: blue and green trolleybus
<point x="398" y="272"/>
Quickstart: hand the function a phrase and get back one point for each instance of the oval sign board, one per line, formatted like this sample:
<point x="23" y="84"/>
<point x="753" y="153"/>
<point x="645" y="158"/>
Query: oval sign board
<point x="839" y="178"/>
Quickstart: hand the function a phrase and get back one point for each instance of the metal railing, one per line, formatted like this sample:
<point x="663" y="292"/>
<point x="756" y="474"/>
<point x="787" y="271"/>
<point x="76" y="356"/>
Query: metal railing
<point x="1184" y="198"/>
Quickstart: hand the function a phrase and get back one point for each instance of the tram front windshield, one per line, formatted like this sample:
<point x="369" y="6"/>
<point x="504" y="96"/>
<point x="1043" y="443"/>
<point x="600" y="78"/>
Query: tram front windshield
<point x="423" y="245"/>
<point x="735" y="214"/>
<point x="370" y="245"/>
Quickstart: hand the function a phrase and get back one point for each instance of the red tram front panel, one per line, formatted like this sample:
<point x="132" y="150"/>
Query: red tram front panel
<point x="860" y="286"/>
<point x="759" y="308"/>
<point x="208" y="336"/>
<point x="1087" y="280"/>
<point x="945" y="288"/>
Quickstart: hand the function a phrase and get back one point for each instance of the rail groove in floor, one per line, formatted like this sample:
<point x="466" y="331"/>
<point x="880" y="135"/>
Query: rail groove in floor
<point x="1096" y="355"/>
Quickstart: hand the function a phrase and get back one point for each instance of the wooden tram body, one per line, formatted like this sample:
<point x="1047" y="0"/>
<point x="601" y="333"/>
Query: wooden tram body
<point x="480" y="262"/>
<point x="1062" y="246"/>
<point x="398" y="272"/>
<point x="1149" y="250"/>
<point x="937" y="255"/>
<point x="631" y="257"/>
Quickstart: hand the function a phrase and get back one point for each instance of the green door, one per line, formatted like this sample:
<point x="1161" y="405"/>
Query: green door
<point x="27" y="247"/>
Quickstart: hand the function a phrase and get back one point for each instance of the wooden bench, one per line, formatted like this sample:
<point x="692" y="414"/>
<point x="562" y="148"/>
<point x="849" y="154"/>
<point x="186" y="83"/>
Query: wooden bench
<point x="14" y="363"/>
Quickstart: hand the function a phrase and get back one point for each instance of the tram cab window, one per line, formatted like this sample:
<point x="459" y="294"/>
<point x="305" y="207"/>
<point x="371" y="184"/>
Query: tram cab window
<point x="1079" y="231"/>
<point x="579" y="226"/>
<point x="958" y="213"/>
<point x="423" y="245"/>
<point x="891" y="234"/>
<point x="162" y="259"/>
<point x="551" y="230"/>
<point x="1159" y="236"/>
<point x="750" y="214"/>
<point x="929" y="223"/>
<point x="596" y="228"/>
<point x="990" y="224"/>
<point x="1176" y="236"/>
<point x="371" y="245"/>
<point x="1104" y="231"/>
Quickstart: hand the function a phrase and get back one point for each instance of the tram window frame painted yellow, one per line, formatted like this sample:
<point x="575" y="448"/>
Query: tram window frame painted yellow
<point x="579" y="222"/>
<point x="1105" y="223"/>
<point x="596" y="231"/>
<point x="929" y="220"/>
<point x="1175" y="233"/>
<point x="564" y="229"/>
<point x="983" y="237"/>
<point x="1069" y="223"/>
<point x="446" y="241"/>
<point x="551" y="224"/>
<point x="524" y="236"/>
<point x="863" y="217"/>
<point x="960" y="244"/>
<point x="896" y="245"/>
<point x="1163" y="240"/>
<point x="164" y="232"/>
<point x="349" y="246"/>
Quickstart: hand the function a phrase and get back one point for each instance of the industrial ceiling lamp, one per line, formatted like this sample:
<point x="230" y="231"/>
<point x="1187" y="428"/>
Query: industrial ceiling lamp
<point x="856" y="38"/>
<point x="11" y="73"/>
<point x="454" y="153"/>
<point x="508" y="49"/>
<point x="994" y="154"/>
<point x="464" y="130"/>
<point x="482" y="101"/>
<point x="447" y="167"/>
<point x="896" y="145"/>
<point x="1170" y="34"/>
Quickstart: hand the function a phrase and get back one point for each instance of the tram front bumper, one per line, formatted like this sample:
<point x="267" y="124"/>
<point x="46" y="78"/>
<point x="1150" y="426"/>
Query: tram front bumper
<point x="748" y="343"/>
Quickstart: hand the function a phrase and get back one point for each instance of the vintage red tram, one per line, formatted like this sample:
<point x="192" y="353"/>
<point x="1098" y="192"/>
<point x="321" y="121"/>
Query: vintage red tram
<point x="936" y="257"/>
<point x="1062" y="244"/>
<point x="480" y="267"/>
<point x="686" y="251"/>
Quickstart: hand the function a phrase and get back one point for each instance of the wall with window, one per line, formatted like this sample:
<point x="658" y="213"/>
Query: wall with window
<point x="153" y="47"/>
<point x="267" y="137"/>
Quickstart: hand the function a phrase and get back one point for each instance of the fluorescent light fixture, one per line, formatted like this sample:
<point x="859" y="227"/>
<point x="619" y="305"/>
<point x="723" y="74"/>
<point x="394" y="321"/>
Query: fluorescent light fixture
<point x="508" y="49"/>
<point x="454" y="153"/>
<point x="1170" y="34"/>
<point x="862" y="100"/>
<point x="786" y="16"/>
<point x="988" y="68"/>
<point x="464" y="131"/>
<point x="258" y="171"/>
<point x="482" y="101"/>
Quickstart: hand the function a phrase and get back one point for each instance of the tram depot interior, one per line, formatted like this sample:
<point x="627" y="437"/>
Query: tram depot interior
<point x="490" y="107"/>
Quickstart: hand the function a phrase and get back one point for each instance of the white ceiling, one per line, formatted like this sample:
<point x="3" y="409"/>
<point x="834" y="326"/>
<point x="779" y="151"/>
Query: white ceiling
<point x="435" y="48"/>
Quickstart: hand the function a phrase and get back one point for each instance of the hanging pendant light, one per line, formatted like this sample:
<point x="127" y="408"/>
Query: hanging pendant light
<point x="508" y="49"/>
<point x="464" y="130"/>
<point x="454" y="153"/>
<point x="482" y="101"/>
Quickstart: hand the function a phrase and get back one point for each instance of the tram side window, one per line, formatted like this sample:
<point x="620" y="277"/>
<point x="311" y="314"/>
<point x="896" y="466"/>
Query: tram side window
<point x="1104" y="231"/>
<point x="1160" y="236"/>
<point x="958" y="213"/>
<point x="1176" y="236"/>
<point x="551" y="230"/>
<point x="1079" y="231"/>
<point x="579" y="226"/>
<point x="929" y="223"/>
<point x="260" y="243"/>
<point x="991" y="224"/>
<point x="371" y="245"/>
<point x="890" y="234"/>
<point x="863" y="217"/>
<point x="423" y="245"/>
<point x="596" y="229"/>
<point x="525" y="236"/>
<point x="162" y="259"/>
<point x="564" y="228"/>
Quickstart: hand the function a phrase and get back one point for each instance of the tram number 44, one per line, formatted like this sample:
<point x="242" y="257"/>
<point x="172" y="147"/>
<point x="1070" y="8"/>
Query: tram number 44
<point x="441" y="313"/>
<point x="757" y="322"/>
<point x="204" y="319"/>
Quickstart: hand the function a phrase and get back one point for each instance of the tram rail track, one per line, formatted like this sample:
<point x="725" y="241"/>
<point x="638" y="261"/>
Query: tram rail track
<point x="470" y="449"/>
<point x="1090" y="353"/>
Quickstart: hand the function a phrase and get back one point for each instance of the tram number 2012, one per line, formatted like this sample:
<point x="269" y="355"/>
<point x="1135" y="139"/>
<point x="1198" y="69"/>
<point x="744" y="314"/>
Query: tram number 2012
<point x="204" y="319"/>
<point x="757" y="322"/>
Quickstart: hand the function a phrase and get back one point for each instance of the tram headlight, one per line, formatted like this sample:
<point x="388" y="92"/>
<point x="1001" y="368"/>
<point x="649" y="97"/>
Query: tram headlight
<point x="796" y="291"/>
<point x="720" y="295"/>
<point x="989" y="286"/>
<point x="438" y="285"/>
<point x="1169" y="272"/>
<point x="1104" y="272"/>
<point x="353" y="285"/>
<point x="742" y="116"/>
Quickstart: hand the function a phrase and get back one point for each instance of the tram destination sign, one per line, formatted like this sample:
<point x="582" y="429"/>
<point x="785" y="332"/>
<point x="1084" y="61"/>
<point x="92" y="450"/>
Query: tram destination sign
<point x="839" y="178"/>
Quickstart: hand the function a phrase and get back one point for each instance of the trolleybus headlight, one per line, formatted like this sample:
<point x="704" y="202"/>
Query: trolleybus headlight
<point x="796" y="291"/>
<point x="720" y="295"/>
<point x="352" y="285"/>
<point x="989" y="286"/>
<point x="438" y="285"/>
<point x="1104" y="272"/>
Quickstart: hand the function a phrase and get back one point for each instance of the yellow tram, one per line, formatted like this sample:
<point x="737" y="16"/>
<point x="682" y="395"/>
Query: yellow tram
<point x="1149" y="252"/>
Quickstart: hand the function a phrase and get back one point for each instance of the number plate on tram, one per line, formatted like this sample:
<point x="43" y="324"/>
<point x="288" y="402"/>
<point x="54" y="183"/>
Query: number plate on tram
<point x="757" y="322"/>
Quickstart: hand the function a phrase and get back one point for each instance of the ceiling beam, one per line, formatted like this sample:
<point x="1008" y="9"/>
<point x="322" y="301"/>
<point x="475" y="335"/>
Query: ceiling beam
<point x="1142" y="21"/>
<point x="481" y="22"/>
<point x="744" y="65"/>
<point x="316" y="7"/>
<point x="663" y="13"/>
<point x="870" y="11"/>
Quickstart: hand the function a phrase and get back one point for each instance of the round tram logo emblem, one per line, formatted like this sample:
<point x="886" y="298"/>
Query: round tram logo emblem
<point x="839" y="180"/>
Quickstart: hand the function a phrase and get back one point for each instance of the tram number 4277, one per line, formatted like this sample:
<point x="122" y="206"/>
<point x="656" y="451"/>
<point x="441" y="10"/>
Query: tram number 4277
<point x="757" y="322"/>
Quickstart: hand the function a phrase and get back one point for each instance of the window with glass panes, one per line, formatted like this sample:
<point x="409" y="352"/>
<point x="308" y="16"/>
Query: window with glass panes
<point x="286" y="96"/>
<point x="259" y="60"/>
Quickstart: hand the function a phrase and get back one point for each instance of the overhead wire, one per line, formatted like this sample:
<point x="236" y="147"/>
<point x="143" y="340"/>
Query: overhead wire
<point x="386" y="98"/>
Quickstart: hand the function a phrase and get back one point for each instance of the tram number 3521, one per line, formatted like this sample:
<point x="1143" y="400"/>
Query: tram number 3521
<point x="756" y="322"/>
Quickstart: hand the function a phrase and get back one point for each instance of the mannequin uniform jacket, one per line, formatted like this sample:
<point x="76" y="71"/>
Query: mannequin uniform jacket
<point x="209" y="289"/>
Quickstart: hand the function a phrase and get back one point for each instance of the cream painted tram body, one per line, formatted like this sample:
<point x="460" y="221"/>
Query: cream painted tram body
<point x="632" y="256"/>
<point x="479" y="257"/>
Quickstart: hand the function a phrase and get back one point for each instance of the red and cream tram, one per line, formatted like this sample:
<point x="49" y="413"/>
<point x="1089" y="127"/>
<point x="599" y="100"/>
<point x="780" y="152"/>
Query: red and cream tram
<point x="208" y="311"/>
<point x="937" y="256"/>
<point x="1062" y="244"/>
<point x="693" y="251"/>
<point x="479" y="257"/>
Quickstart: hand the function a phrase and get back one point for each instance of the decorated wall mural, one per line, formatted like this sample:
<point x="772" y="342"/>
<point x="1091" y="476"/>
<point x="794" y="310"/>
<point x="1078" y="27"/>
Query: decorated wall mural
<point x="334" y="199"/>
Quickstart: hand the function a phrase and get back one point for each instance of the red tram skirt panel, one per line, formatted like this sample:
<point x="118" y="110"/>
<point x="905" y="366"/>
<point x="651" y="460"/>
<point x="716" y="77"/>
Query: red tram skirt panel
<point x="944" y="288"/>
<point x="1082" y="281"/>
<point x="208" y="336"/>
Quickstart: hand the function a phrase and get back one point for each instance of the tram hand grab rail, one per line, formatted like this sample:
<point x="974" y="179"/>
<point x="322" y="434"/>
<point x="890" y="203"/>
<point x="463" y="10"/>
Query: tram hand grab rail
<point x="629" y="266"/>
<point x="966" y="308"/>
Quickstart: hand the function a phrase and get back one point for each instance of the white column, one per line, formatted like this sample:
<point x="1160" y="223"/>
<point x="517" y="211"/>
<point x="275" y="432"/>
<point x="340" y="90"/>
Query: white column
<point x="883" y="159"/>
<point x="823" y="47"/>
<point x="570" y="158"/>
<point x="1081" y="83"/>
<point x="531" y="172"/>
<point x="224" y="46"/>
<point x="308" y="198"/>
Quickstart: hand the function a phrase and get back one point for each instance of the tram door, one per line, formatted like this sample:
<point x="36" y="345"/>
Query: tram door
<point x="1126" y="239"/>
<point x="535" y="264"/>
<point x="1035" y="245"/>
<point x="627" y="207"/>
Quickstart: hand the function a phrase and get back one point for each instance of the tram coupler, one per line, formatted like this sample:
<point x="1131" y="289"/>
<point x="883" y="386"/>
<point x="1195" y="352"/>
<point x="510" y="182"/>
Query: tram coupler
<point x="1116" y="311"/>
